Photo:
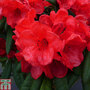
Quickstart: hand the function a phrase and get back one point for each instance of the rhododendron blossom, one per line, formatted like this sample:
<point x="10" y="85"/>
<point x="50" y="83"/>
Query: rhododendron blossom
<point x="17" y="9"/>
<point x="39" y="51"/>
<point x="54" y="40"/>
<point x="50" y="36"/>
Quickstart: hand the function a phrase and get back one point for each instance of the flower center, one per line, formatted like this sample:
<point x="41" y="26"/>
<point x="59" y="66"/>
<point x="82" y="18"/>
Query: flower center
<point x="42" y="44"/>
<point x="17" y="12"/>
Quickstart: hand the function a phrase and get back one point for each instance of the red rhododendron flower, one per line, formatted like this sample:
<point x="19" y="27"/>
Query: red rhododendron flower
<point x="38" y="52"/>
<point x="61" y="22"/>
<point x="39" y="43"/>
<point x="17" y="9"/>
<point x="56" y="20"/>
<point x="73" y="50"/>
<point x="43" y="45"/>
<point x="82" y="7"/>
<point x="49" y="43"/>
<point x="14" y="11"/>
<point x="65" y="26"/>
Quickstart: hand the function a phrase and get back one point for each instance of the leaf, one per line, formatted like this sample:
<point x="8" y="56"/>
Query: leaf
<point x="86" y="72"/>
<point x="27" y="83"/>
<point x="18" y="69"/>
<point x="61" y="83"/>
<point x="2" y="35"/>
<point x="46" y="84"/>
<point x="2" y="23"/>
<point x="9" y="40"/>
<point x="77" y="70"/>
<point x="52" y="1"/>
<point x="6" y="26"/>
<point x="72" y="78"/>
<point x="7" y="70"/>
<point x="18" y="76"/>
<point x="36" y="84"/>
<point x="71" y="13"/>
<point x="2" y="59"/>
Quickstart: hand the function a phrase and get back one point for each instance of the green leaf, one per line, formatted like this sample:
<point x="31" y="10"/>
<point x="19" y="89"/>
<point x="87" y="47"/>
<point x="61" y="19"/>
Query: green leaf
<point x="61" y="83"/>
<point x="2" y="35"/>
<point x="71" y="13"/>
<point x="18" y="76"/>
<point x="72" y="78"/>
<point x="31" y="84"/>
<point x="86" y="72"/>
<point x="2" y="59"/>
<point x="36" y="84"/>
<point x="52" y="1"/>
<point x="46" y="84"/>
<point x="77" y="70"/>
<point x="2" y="23"/>
<point x="18" y="69"/>
<point x="27" y="83"/>
<point x="6" y="27"/>
<point x="7" y="70"/>
<point x="9" y="40"/>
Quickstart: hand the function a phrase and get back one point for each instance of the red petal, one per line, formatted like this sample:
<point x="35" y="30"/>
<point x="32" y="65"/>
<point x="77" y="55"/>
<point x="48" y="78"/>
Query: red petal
<point x="25" y="66"/>
<point x="36" y="72"/>
<point x="65" y="3"/>
<point x="47" y="71"/>
<point x="30" y="54"/>
<point x="58" y="69"/>
<point x="45" y="19"/>
<point x="74" y="56"/>
<point x="46" y="56"/>
<point x="76" y="41"/>
<point x="19" y="56"/>
<point x="60" y="15"/>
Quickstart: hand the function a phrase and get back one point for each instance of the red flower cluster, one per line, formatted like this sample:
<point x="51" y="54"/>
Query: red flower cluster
<point x="14" y="10"/>
<point x="51" y="45"/>
<point x="54" y="43"/>
<point x="78" y="7"/>
<point x="3" y="49"/>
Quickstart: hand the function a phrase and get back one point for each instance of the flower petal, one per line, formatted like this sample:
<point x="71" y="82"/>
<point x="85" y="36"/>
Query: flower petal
<point x="58" y="69"/>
